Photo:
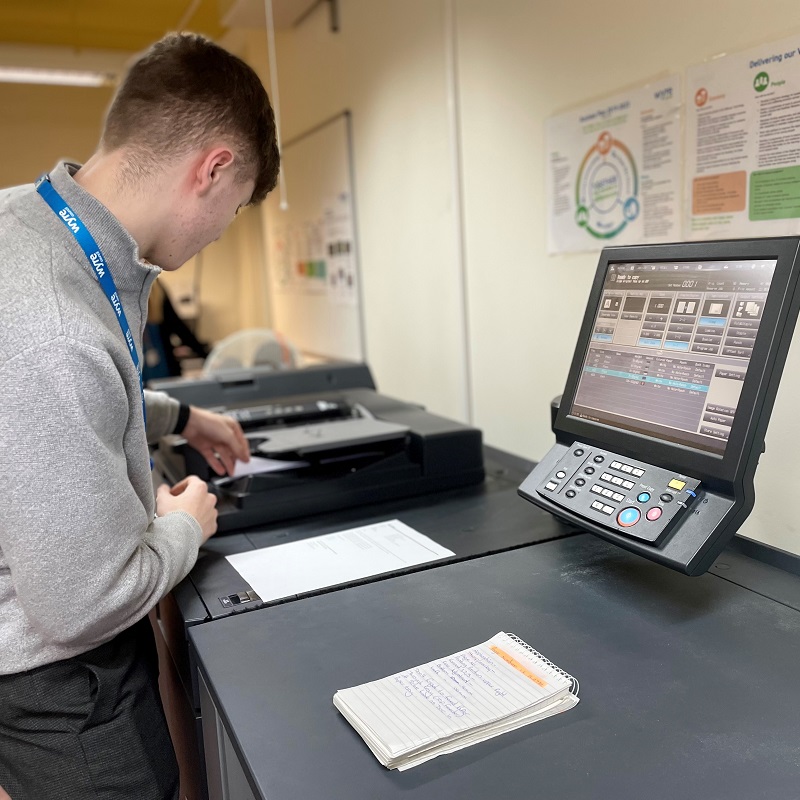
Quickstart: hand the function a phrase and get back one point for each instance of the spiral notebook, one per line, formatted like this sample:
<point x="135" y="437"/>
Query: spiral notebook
<point x="456" y="701"/>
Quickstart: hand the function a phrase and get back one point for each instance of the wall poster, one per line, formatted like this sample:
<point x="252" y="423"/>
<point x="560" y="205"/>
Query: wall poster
<point x="743" y="144"/>
<point x="613" y="170"/>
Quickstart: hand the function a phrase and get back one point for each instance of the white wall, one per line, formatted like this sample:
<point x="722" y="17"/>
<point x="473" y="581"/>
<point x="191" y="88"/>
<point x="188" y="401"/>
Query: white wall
<point x="387" y="65"/>
<point x="521" y="62"/>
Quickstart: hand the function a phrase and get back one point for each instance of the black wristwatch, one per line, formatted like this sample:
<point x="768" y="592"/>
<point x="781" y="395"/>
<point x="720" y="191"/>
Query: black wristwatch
<point x="183" y="418"/>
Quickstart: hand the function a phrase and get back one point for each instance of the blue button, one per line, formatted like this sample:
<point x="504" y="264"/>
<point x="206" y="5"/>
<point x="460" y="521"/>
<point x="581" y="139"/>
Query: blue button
<point x="643" y="497"/>
<point x="628" y="516"/>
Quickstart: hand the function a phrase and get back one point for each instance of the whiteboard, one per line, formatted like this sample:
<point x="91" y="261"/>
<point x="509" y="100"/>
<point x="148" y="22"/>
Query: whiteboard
<point x="312" y="258"/>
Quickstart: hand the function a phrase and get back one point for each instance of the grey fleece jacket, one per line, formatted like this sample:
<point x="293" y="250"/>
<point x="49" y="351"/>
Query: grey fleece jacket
<point x="82" y="555"/>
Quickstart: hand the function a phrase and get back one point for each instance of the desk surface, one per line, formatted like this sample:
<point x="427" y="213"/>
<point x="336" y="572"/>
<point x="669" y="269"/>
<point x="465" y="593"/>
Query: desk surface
<point x="688" y="685"/>
<point x="471" y="521"/>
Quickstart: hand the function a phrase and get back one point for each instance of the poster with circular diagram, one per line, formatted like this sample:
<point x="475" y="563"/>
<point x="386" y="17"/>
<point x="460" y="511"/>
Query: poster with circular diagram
<point x="613" y="171"/>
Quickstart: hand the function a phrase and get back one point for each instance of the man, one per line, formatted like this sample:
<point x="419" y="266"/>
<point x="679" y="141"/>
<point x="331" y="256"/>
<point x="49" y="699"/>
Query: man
<point x="164" y="323"/>
<point x="86" y="547"/>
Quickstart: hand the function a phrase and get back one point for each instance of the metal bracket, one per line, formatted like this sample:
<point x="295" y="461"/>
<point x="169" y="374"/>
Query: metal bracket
<point x="334" y="12"/>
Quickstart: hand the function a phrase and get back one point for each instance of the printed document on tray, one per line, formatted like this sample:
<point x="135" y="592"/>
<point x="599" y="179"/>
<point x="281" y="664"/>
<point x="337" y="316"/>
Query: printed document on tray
<point x="258" y="466"/>
<point x="305" y="566"/>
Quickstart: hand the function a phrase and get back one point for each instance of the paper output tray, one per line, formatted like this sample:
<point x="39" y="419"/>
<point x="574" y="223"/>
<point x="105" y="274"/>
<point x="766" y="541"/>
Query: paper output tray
<point x="325" y="436"/>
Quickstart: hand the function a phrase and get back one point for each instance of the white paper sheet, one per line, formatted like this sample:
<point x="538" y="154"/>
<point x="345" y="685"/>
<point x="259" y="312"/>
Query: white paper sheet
<point x="257" y="465"/>
<point x="296" y="567"/>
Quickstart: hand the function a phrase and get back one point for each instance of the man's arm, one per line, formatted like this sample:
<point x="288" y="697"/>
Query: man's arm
<point x="219" y="438"/>
<point x="77" y="526"/>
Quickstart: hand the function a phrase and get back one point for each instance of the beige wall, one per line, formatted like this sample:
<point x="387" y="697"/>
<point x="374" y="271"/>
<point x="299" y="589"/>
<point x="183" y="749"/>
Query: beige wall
<point x="39" y="125"/>
<point x="518" y="63"/>
<point x="521" y="62"/>
<point x="387" y="66"/>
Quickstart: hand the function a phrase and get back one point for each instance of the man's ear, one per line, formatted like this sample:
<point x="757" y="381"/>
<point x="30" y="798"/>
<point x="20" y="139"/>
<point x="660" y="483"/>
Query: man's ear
<point x="211" y="168"/>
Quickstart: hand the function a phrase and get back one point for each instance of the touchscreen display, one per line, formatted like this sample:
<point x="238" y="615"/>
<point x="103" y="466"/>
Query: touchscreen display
<point x="670" y="348"/>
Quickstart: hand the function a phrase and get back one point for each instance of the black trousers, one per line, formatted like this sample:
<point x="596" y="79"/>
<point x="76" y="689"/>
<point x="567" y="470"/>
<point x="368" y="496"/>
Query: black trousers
<point x="89" y="728"/>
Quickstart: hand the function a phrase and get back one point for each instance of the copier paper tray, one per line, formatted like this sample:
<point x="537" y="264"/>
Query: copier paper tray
<point x="337" y="443"/>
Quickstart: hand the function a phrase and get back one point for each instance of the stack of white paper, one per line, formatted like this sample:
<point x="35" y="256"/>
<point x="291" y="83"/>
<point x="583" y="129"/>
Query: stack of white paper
<point x="442" y="706"/>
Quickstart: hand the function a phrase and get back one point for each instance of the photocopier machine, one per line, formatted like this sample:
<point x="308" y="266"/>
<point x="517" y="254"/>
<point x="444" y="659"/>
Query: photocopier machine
<point x="340" y="456"/>
<point x="327" y="439"/>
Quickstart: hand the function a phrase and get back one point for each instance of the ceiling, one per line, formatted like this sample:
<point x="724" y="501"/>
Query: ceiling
<point x="132" y="26"/>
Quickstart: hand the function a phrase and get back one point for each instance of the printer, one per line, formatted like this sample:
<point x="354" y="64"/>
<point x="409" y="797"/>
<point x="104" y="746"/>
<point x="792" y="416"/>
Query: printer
<point x="324" y="438"/>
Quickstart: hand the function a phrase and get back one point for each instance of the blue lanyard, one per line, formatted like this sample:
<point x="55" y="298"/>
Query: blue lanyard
<point x="97" y="262"/>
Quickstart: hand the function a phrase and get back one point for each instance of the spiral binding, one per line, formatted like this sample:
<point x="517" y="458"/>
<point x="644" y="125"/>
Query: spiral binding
<point x="575" y="685"/>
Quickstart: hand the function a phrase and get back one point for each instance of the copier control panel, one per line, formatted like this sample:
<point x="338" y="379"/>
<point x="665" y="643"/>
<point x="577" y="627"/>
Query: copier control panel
<point x="666" y="405"/>
<point x="624" y="494"/>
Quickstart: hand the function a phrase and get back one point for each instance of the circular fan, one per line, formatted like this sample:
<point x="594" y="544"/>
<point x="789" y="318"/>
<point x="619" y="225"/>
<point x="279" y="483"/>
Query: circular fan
<point x="252" y="347"/>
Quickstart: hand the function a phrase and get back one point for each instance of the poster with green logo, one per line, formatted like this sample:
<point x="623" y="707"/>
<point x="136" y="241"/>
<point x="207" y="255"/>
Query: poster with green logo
<point x="742" y="175"/>
<point x="613" y="170"/>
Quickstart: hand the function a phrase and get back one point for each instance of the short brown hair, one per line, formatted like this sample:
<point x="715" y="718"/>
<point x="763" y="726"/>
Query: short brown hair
<point x="185" y="91"/>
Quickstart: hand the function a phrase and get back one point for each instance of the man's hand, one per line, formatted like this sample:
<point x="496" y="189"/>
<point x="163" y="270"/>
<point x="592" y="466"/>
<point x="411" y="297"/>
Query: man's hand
<point x="219" y="438"/>
<point x="192" y="496"/>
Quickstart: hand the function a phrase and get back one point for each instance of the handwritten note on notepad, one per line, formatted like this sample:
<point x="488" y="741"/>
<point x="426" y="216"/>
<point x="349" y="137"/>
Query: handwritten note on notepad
<point x="444" y="705"/>
<point x="288" y="569"/>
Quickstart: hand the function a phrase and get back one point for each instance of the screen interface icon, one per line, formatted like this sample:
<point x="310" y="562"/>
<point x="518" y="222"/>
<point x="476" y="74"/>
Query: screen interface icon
<point x="670" y="348"/>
